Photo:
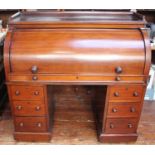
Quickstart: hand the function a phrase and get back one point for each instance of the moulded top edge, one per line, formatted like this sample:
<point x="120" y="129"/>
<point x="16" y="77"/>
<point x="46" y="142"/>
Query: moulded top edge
<point x="101" y="17"/>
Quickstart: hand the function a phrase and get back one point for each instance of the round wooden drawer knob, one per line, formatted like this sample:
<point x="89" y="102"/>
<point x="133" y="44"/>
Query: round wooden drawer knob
<point x="19" y="107"/>
<point x="135" y="94"/>
<point x="17" y="93"/>
<point x="118" y="70"/>
<point x="114" y="110"/>
<point x="34" y="78"/>
<point x="130" y="125"/>
<point x="37" y="108"/>
<point x="21" y="124"/>
<point x="117" y="78"/>
<point x="111" y="125"/>
<point x="34" y="69"/>
<point x="39" y="125"/>
<point x="116" y="94"/>
<point x="36" y="93"/>
<point x="132" y="109"/>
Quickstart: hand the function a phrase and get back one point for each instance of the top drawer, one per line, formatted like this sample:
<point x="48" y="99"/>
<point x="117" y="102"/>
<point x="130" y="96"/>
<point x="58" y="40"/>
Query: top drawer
<point x="26" y="92"/>
<point x="126" y="93"/>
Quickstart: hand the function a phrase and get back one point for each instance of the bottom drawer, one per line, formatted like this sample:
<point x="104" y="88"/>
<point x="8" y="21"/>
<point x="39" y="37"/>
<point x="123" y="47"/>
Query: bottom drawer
<point x="120" y="125"/>
<point x="31" y="124"/>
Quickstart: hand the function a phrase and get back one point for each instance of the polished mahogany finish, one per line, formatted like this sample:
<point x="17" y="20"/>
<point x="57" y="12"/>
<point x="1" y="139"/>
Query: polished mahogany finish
<point x="27" y="108"/>
<point x="121" y="126"/>
<point x="125" y="93"/>
<point x="27" y="92"/>
<point x="30" y="124"/>
<point x="109" y="51"/>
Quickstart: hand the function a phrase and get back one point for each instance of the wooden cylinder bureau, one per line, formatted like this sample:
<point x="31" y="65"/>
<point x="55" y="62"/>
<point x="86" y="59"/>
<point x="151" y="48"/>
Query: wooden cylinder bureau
<point x="109" y="51"/>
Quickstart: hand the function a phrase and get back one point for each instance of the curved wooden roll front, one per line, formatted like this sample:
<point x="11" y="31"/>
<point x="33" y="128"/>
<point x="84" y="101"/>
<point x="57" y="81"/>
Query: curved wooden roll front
<point x="82" y="55"/>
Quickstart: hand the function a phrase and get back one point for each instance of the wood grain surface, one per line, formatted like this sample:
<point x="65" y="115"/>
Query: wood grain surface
<point x="101" y="58"/>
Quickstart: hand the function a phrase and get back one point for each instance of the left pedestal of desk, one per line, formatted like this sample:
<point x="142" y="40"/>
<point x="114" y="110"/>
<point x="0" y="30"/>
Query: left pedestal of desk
<point x="32" y="112"/>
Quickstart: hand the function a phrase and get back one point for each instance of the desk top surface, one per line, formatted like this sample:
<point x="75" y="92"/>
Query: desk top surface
<point x="76" y="17"/>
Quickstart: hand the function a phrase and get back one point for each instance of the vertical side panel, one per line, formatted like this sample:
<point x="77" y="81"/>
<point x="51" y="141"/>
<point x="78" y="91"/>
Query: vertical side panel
<point x="7" y="46"/>
<point x="147" y="47"/>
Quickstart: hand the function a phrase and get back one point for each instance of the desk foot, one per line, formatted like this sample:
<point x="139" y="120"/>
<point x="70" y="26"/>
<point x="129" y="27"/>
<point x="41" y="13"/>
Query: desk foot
<point x="32" y="137"/>
<point x="116" y="138"/>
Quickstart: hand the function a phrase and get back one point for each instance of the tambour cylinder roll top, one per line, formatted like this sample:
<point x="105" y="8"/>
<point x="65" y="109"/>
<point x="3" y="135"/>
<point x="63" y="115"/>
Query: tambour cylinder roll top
<point x="78" y="51"/>
<point x="89" y="45"/>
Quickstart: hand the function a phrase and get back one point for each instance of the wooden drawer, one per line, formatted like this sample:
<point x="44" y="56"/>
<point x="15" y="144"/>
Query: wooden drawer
<point x="121" y="125"/>
<point x="29" y="108"/>
<point x="127" y="93"/>
<point x="27" y="92"/>
<point x="31" y="124"/>
<point x="124" y="109"/>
